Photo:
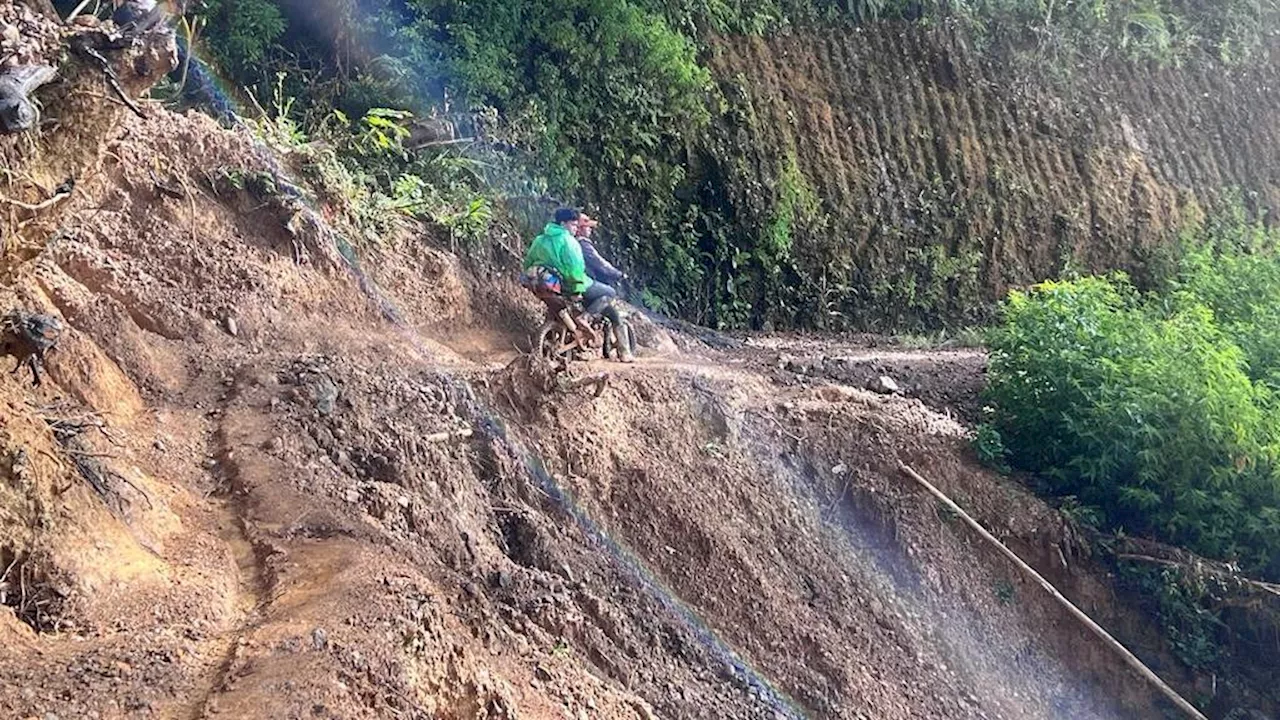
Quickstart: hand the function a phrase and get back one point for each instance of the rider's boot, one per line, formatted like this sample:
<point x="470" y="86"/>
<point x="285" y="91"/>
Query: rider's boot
<point x="623" y="334"/>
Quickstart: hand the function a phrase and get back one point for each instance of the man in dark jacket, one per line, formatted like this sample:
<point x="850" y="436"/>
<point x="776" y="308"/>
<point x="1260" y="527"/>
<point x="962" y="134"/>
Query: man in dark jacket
<point x="597" y="267"/>
<point x="600" y="270"/>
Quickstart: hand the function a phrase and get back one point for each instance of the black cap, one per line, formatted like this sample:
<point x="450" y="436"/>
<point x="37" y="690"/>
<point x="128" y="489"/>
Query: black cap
<point x="566" y="214"/>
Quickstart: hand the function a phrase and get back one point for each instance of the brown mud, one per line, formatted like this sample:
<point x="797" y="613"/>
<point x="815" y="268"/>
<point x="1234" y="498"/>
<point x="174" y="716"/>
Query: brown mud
<point x="313" y="511"/>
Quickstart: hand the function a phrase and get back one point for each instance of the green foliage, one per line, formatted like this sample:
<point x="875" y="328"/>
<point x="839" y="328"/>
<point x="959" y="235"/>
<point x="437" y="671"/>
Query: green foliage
<point x="1184" y="605"/>
<point x="608" y="81"/>
<point x="1081" y="515"/>
<point x="1062" y="33"/>
<point x="363" y="171"/>
<point x="990" y="448"/>
<point x="606" y="102"/>
<point x="1005" y="592"/>
<point x="1143" y="409"/>
<point x="1231" y="266"/>
<point x="244" y="31"/>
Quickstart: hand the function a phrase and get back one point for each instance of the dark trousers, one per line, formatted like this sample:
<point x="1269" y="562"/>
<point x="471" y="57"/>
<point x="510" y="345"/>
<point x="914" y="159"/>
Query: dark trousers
<point x="599" y="301"/>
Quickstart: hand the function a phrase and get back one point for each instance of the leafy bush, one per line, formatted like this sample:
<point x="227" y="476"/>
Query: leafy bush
<point x="1143" y="409"/>
<point x="990" y="448"/>
<point x="1232" y="268"/>
<point x="244" y="30"/>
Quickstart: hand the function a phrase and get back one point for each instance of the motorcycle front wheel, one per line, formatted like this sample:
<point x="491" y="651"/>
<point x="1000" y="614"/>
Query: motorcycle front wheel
<point x="552" y="341"/>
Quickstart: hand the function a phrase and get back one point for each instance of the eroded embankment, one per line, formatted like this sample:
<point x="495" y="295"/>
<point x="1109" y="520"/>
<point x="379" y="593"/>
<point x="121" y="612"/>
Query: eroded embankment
<point x="318" y="513"/>
<point x="945" y="178"/>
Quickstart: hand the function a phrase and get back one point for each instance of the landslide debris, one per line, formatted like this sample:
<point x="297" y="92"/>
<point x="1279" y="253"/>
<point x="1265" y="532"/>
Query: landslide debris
<point x="244" y="491"/>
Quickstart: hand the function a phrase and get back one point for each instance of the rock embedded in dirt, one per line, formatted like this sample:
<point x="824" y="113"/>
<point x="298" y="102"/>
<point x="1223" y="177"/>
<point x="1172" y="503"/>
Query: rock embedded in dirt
<point x="884" y="385"/>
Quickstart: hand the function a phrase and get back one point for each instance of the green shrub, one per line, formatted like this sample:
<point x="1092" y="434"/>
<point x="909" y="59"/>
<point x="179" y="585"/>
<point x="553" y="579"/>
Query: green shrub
<point x="1143" y="410"/>
<point x="990" y="448"/>
<point x="1185" y="606"/>
<point x="1238" y="277"/>
<point x="244" y="32"/>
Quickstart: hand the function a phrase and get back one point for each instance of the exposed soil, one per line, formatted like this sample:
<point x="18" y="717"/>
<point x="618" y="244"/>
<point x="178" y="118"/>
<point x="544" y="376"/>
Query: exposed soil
<point x="311" y="510"/>
<point x="947" y="177"/>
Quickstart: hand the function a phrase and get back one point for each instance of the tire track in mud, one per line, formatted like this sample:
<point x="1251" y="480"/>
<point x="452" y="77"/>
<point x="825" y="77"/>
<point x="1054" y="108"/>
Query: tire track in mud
<point x="252" y="587"/>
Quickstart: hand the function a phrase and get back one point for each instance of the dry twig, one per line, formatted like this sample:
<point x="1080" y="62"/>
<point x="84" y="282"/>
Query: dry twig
<point x="38" y="206"/>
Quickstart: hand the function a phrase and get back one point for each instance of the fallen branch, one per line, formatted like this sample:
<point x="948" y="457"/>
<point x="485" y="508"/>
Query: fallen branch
<point x="19" y="111"/>
<point x="440" y="143"/>
<point x="112" y="79"/>
<point x="78" y="9"/>
<point x="1129" y="658"/>
<point x="38" y="206"/>
<point x="1202" y="568"/>
<point x="163" y="189"/>
<point x="600" y="380"/>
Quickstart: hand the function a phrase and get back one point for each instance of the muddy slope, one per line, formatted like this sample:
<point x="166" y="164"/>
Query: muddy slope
<point x="946" y="177"/>
<point x="274" y="502"/>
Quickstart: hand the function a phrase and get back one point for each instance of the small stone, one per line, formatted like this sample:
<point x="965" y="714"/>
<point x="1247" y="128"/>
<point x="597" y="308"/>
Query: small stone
<point x="840" y="469"/>
<point x="884" y="385"/>
<point x="233" y="328"/>
<point x="404" y="502"/>
<point x="160" y="445"/>
<point x="319" y="639"/>
<point x="211" y="463"/>
<point x="341" y="457"/>
<point x="542" y="673"/>
<point x="352" y="495"/>
<point x="10" y="34"/>
<point x="276" y="444"/>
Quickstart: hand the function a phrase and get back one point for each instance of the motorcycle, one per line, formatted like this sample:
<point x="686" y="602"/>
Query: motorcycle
<point x="569" y="332"/>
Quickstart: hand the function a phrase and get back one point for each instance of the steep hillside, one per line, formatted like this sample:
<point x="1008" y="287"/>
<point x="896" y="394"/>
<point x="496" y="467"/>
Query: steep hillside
<point x="943" y="177"/>
<point x="303" y="509"/>
<point x="272" y="475"/>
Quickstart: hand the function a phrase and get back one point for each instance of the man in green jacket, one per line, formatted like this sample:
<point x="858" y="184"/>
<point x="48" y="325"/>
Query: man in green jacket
<point x="557" y="248"/>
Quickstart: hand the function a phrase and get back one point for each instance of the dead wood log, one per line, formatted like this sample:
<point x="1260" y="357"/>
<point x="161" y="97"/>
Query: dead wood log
<point x="600" y="380"/>
<point x="441" y="437"/>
